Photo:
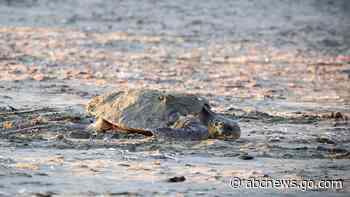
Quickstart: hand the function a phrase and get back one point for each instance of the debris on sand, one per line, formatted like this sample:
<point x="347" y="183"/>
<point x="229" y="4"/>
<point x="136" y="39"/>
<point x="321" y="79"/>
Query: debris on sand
<point x="7" y="125"/>
<point x="28" y="166"/>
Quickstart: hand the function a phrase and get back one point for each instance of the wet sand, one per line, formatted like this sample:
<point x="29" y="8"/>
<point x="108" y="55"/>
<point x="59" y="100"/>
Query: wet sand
<point x="282" y="71"/>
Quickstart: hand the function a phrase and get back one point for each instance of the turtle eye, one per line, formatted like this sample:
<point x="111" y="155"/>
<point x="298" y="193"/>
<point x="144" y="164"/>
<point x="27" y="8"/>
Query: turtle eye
<point x="166" y="99"/>
<point x="216" y="124"/>
<point x="163" y="99"/>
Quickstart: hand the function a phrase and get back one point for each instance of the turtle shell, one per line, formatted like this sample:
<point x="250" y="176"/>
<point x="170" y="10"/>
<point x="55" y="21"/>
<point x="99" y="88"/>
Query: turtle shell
<point x="144" y="109"/>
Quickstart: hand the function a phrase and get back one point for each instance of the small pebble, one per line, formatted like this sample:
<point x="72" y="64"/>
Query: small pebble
<point x="59" y="137"/>
<point x="44" y="194"/>
<point x="176" y="179"/>
<point x="246" y="157"/>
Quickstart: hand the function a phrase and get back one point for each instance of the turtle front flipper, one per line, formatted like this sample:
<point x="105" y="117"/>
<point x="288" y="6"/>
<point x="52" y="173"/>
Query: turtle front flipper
<point x="183" y="129"/>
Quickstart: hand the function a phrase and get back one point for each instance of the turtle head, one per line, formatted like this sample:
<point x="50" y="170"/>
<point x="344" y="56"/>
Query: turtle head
<point x="92" y="105"/>
<point x="222" y="128"/>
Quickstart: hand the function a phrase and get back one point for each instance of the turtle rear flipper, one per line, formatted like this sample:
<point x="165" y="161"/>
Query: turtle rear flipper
<point x="118" y="129"/>
<point x="102" y="126"/>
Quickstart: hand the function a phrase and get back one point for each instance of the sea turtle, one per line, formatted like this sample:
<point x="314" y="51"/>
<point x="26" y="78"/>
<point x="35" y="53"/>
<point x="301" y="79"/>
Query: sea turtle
<point x="160" y="114"/>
